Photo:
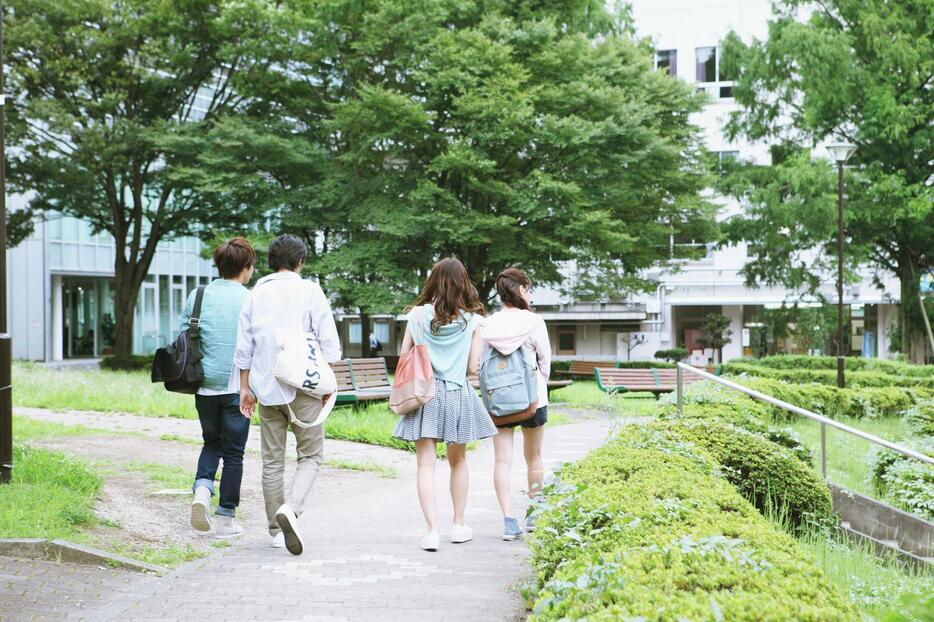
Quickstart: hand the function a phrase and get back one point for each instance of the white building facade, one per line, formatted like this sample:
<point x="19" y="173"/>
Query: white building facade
<point x="687" y="34"/>
<point x="60" y="292"/>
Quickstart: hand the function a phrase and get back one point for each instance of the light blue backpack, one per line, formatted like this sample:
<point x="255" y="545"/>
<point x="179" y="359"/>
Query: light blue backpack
<point x="508" y="386"/>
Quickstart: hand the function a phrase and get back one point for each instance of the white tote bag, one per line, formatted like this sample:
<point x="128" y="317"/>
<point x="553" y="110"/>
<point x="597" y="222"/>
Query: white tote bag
<point x="300" y="364"/>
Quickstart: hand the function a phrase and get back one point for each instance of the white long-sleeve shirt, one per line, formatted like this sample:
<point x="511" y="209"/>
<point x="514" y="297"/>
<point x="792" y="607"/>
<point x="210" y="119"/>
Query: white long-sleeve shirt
<point x="276" y="301"/>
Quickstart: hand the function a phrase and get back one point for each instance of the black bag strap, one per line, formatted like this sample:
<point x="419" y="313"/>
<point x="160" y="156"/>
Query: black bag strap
<point x="194" y="322"/>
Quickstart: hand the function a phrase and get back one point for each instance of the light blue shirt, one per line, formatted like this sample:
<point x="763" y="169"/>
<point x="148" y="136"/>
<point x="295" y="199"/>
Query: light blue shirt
<point x="449" y="349"/>
<point x="220" y="309"/>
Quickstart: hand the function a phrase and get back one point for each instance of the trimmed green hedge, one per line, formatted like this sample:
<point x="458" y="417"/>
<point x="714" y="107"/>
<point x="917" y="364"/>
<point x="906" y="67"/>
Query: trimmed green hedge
<point x="706" y="400"/>
<point x="645" y="365"/>
<point x="833" y="402"/>
<point x="827" y="376"/>
<point x="770" y="476"/>
<point x="852" y="363"/>
<point x="920" y="418"/>
<point x="645" y="529"/>
<point x="136" y="362"/>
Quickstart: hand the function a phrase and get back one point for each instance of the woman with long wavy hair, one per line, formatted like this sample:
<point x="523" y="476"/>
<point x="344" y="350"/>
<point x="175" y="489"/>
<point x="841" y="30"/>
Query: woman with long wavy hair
<point x="445" y="318"/>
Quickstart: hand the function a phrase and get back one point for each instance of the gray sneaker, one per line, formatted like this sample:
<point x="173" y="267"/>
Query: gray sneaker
<point x="227" y="527"/>
<point x="288" y="523"/>
<point x="201" y="510"/>
<point x="511" y="529"/>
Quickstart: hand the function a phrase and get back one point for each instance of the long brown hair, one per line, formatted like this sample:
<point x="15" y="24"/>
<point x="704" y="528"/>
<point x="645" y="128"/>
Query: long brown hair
<point x="451" y="291"/>
<point x="507" y="286"/>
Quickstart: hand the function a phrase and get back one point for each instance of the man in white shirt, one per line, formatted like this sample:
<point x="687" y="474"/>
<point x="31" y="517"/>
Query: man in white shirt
<point x="281" y="300"/>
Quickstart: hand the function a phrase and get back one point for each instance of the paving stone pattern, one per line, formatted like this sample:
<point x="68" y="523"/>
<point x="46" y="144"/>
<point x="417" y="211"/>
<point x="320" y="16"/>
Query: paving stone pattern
<point x="362" y="560"/>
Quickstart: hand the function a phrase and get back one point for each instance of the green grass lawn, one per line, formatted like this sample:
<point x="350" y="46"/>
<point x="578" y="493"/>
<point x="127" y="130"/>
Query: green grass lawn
<point x="51" y="495"/>
<point x="28" y="429"/>
<point x="847" y="455"/>
<point x="37" y="386"/>
<point x="874" y="585"/>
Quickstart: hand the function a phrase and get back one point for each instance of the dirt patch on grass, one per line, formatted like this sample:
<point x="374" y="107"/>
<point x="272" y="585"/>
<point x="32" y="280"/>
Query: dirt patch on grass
<point x="139" y="515"/>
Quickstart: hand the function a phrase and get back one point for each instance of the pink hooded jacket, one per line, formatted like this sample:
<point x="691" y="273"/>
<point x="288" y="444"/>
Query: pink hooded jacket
<point x="512" y="328"/>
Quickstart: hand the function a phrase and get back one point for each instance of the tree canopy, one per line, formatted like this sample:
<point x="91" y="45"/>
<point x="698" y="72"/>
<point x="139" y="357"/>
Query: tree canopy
<point x="108" y="96"/>
<point x="506" y="133"/>
<point x="859" y="71"/>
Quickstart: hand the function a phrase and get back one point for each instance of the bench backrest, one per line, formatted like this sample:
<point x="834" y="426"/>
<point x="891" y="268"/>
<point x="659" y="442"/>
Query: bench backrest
<point x="369" y="373"/>
<point x="670" y="376"/>
<point x="613" y="377"/>
<point x="585" y="368"/>
<point x="342" y="371"/>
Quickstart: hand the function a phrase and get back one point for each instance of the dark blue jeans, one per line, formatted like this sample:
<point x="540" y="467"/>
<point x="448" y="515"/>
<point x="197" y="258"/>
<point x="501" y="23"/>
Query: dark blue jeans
<point x="225" y="432"/>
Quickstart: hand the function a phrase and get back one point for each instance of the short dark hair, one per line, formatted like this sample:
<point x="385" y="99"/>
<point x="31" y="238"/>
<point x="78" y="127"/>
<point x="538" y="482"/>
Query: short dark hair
<point x="233" y="257"/>
<point x="286" y="251"/>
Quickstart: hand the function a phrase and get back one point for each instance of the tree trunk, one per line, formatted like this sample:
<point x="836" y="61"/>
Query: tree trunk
<point x="365" y="334"/>
<point x="910" y="319"/>
<point x="125" y="297"/>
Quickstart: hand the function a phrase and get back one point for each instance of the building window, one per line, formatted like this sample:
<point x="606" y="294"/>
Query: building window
<point x="706" y="64"/>
<point x="709" y="72"/>
<point x="355" y="332"/>
<point x="381" y="330"/>
<point x="567" y="340"/>
<point x="667" y="60"/>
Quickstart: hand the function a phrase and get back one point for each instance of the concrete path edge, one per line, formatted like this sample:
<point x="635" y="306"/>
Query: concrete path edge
<point x="63" y="550"/>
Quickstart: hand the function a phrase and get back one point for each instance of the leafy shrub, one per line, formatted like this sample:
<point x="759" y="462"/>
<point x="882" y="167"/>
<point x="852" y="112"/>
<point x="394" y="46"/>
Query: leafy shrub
<point x="560" y="366"/>
<point x="645" y="365"/>
<point x="134" y="363"/>
<point x="769" y="475"/>
<point x="672" y="355"/>
<point x="833" y="402"/>
<point x="855" y="378"/>
<point x="920" y="417"/>
<point x="893" y="368"/>
<point x="644" y="528"/>
<point x="706" y="400"/>
<point x="903" y="481"/>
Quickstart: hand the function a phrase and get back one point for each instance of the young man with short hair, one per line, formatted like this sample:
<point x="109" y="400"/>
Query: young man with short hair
<point x="223" y="427"/>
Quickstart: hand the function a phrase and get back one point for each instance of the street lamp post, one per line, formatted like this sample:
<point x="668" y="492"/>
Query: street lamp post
<point x="6" y="351"/>
<point x="840" y="152"/>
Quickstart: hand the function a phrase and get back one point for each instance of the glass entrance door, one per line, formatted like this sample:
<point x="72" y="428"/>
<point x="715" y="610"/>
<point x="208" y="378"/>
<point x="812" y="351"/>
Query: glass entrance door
<point x="82" y="319"/>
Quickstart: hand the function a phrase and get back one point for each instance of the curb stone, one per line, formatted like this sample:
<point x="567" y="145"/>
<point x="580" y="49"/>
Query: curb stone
<point x="63" y="550"/>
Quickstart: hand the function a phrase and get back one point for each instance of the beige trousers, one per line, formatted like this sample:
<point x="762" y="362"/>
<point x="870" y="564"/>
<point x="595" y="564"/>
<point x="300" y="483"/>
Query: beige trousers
<point x="274" y="426"/>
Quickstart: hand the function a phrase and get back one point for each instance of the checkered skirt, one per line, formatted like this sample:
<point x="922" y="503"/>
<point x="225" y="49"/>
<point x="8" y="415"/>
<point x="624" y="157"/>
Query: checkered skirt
<point x="454" y="415"/>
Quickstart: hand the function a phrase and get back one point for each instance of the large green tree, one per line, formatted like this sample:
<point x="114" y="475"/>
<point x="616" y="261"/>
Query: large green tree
<point x="505" y="133"/>
<point x="856" y="70"/>
<point x="111" y="103"/>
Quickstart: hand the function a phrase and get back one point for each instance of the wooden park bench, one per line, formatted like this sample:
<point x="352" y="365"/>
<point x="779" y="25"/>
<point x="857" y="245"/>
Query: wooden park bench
<point x="361" y="380"/>
<point x="584" y="369"/>
<point x="650" y="380"/>
<point x="552" y="384"/>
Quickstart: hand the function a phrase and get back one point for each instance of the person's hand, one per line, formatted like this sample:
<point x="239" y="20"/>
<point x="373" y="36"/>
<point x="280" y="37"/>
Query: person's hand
<point x="247" y="403"/>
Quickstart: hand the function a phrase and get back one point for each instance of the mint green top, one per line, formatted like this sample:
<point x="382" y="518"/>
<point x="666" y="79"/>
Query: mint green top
<point x="450" y="348"/>
<point x="220" y="310"/>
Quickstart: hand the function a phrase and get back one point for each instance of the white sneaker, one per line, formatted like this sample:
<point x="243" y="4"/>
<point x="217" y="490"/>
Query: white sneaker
<point x="288" y="523"/>
<point x="431" y="540"/>
<point x="201" y="510"/>
<point x="227" y="527"/>
<point x="278" y="541"/>
<point x="461" y="533"/>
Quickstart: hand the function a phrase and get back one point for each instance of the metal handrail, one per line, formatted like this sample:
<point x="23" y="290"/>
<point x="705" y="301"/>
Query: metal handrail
<point x="824" y="421"/>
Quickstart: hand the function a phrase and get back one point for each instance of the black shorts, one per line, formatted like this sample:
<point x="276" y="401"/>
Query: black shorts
<point x="540" y="419"/>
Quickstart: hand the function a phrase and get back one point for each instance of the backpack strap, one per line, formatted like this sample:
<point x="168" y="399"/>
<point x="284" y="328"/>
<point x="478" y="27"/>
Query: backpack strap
<point x="194" y="322"/>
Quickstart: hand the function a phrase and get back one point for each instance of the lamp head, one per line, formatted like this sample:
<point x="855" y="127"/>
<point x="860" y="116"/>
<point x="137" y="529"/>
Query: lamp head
<point x="841" y="152"/>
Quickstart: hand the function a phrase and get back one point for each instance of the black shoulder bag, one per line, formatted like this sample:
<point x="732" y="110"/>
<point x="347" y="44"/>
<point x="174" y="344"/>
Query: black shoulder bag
<point x="178" y="364"/>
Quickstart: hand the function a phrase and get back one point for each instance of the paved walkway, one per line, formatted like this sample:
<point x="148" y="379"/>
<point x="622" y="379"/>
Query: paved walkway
<point x="362" y="560"/>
